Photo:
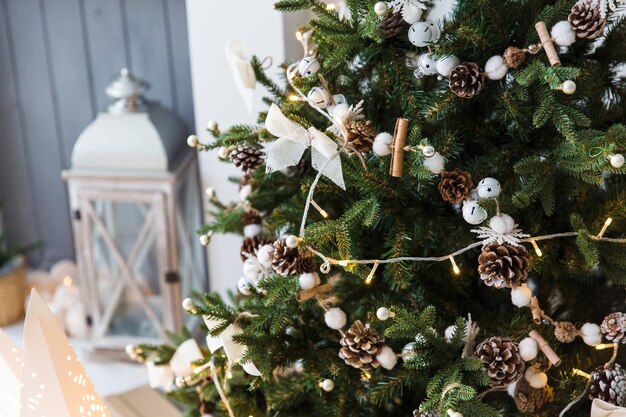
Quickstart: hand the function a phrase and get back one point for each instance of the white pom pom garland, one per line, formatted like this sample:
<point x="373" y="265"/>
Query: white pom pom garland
<point x="536" y="379"/>
<point x="591" y="334"/>
<point x="335" y="318"/>
<point x="387" y="358"/>
<point x="495" y="68"/>
<point x="520" y="296"/>
<point x="382" y="144"/>
<point x="435" y="163"/>
<point x="502" y="223"/>
<point x="563" y="34"/>
<point x="528" y="349"/>
<point x="309" y="280"/>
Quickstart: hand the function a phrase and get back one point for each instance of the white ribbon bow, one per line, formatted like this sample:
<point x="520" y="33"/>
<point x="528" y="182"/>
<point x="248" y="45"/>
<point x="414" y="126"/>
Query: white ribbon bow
<point x="234" y="351"/>
<point x="293" y="139"/>
<point x="601" y="408"/>
<point x="243" y="73"/>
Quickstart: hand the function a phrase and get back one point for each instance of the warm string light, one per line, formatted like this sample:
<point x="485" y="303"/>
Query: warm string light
<point x="607" y="223"/>
<point x="343" y="263"/>
<point x="581" y="373"/>
<point x="537" y="250"/>
<point x="67" y="281"/>
<point x="602" y="346"/>
<point x="455" y="267"/>
<point x="370" y="276"/>
<point x="318" y="208"/>
<point x="294" y="97"/>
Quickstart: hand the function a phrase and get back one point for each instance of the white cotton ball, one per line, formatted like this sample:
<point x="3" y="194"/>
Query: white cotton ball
<point x="536" y="379"/>
<point x="263" y="255"/>
<point x="591" y="334"/>
<point x="446" y="65"/>
<point x="383" y="313"/>
<point x="510" y="389"/>
<point x="243" y="286"/>
<point x="309" y="280"/>
<point x="617" y="160"/>
<point x="521" y="295"/>
<point x="245" y="192"/>
<point x="449" y="333"/>
<point x="251" y="230"/>
<point x="503" y="223"/>
<point x="435" y="164"/>
<point x="411" y="15"/>
<point x="495" y="68"/>
<point x="251" y="269"/>
<point x="382" y="144"/>
<point x="335" y="318"/>
<point x="387" y="357"/>
<point x="563" y="34"/>
<point x="408" y="351"/>
<point x="528" y="349"/>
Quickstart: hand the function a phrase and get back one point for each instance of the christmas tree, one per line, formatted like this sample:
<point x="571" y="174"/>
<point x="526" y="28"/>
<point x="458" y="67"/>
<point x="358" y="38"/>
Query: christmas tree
<point x="432" y="216"/>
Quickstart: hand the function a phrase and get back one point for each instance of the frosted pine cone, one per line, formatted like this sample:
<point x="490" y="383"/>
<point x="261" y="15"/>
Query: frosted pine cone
<point x="529" y="399"/>
<point x="565" y="331"/>
<point x="361" y="136"/>
<point x="247" y="157"/>
<point x="586" y="20"/>
<point x="501" y="358"/>
<point x="466" y="80"/>
<point x="608" y="383"/>
<point x="360" y="345"/>
<point x="456" y="185"/>
<point x="503" y="265"/>
<point x="514" y="57"/>
<point x="291" y="261"/>
<point x="614" y="327"/>
<point x="251" y="244"/>
<point x="393" y="24"/>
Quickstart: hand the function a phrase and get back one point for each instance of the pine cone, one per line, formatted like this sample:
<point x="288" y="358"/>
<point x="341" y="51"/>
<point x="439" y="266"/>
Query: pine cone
<point x="607" y="383"/>
<point x="529" y="399"/>
<point x="251" y="244"/>
<point x="614" y="327"/>
<point x="501" y="357"/>
<point x="251" y="216"/>
<point x="586" y="20"/>
<point x="514" y="57"/>
<point x="565" y="331"/>
<point x="466" y="80"/>
<point x="456" y="185"/>
<point x="393" y="24"/>
<point x="247" y="157"/>
<point x="291" y="261"/>
<point x="503" y="265"/>
<point x="360" y="345"/>
<point x="361" y="136"/>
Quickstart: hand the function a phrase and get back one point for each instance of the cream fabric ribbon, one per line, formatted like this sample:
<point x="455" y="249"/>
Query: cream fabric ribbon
<point x="601" y="408"/>
<point x="243" y="73"/>
<point x="294" y="139"/>
<point x="234" y="351"/>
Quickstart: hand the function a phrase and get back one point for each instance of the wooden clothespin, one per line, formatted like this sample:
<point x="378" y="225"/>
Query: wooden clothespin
<point x="400" y="135"/>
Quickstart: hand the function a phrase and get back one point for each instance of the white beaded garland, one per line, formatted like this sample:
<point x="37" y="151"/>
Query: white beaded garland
<point x="435" y="163"/>
<point x="383" y="313"/>
<point x="528" y="349"/>
<point x="243" y="286"/>
<point x="617" y="160"/>
<point x="380" y="8"/>
<point x="188" y="304"/>
<point x="568" y="87"/>
<point x="502" y="223"/>
<point x="536" y="379"/>
<point x="387" y="358"/>
<point x="495" y="68"/>
<point x="335" y="318"/>
<point x="562" y="33"/>
<point x="211" y="125"/>
<point x="591" y="334"/>
<point x="309" y="280"/>
<point x="446" y="64"/>
<point x="328" y="385"/>
<point x="193" y="141"/>
<point x="382" y="144"/>
<point x="521" y="295"/>
<point x="223" y="152"/>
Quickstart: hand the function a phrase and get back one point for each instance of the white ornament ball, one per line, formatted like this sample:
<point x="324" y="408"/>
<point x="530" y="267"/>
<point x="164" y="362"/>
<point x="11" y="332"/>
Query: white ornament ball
<point x="320" y="97"/>
<point x="473" y="213"/>
<point x="188" y="304"/>
<point x="428" y="151"/>
<point x="243" y="286"/>
<point x="263" y="255"/>
<point x="382" y="144"/>
<point x="423" y="33"/>
<point x="251" y="230"/>
<point x="411" y="15"/>
<point x="448" y="334"/>
<point x="245" y="192"/>
<point x="427" y="64"/>
<point x="204" y="240"/>
<point x="617" y="160"/>
<point x="447" y="64"/>
<point x="193" y="141"/>
<point x="309" y="280"/>
<point x="502" y="223"/>
<point x="591" y="334"/>
<point x="292" y="241"/>
<point x="562" y="33"/>
<point x="435" y="163"/>
<point x="335" y="318"/>
<point x="328" y="385"/>
<point x="521" y="295"/>
<point x="380" y="8"/>
<point x="223" y="152"/>
<point x="211" y="125"/>
<point x="387" y="357"/>
<point x="536" y="379"/>
<point x="383" y="313"/>
<point x="488" y="188"/>
<point x="528" y="349"/>
<point x="408" y="351"/>
<point x="130" y="351"/>
<point x="210" y="192"/>
<point x="495" y="68"/>
<point x="308" y="66"/>
<point x="568" y="87"/>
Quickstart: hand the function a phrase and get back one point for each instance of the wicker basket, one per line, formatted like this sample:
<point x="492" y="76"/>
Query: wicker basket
<point x="12" y="285"/>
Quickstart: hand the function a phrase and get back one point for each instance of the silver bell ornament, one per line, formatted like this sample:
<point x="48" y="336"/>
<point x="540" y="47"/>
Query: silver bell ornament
<point x="428" y="151"/>
<point x="473" y="213"/>
<point x="427" y="64"/>
<point x="320" y="97"/>
<point x="308" y="66"/>
<point x="423" y="33"/>
<point x="488" y="188"/>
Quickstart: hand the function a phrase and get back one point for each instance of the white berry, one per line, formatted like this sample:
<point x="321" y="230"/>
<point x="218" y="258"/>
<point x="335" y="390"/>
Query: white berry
<point x="387" y="358"/>
<point x="495" y="68"/>
<point x="210" y="192"/>
<point x="327" y="385"/>
<point x="536" y="379"/>
<point x="380" y="8"/>
<point x="563" y="34"/>
<point x="382" y="144"/>
<point x="223" y="152"/>
<point x="521" y="295"/>
<point x="383" y="313"/>
<point x="188" y="304"/>
<point x="193" y="141"/>
<point x="335" y="318"/>
<point x="130" y="351"/>
<point x="204" y="240"/>
<point x="211" y="125"/>
<point x="528" y="349"/>
<point x="568" y="87"/>
<point x="309" y="280"/>
<point x="617" y="160"/>
<point x="502" y="223"/>
<point x="292" y="241"/>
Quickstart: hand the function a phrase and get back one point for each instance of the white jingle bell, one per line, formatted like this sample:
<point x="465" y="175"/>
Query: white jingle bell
<point x="327" y="385"/>
<point x="446" y="64"/>
<point x="473" y="213"/>
<point x="427" y="64"/>
<point x="435" y="163"/>
<point x="408" y="351"/>
<point x="308" y="66"/>
<point x="488" y="188"/>
<point x="411" y="15"/>
<point x="320" y="97"/>
<point x="339" y="99"/>
<point x="380" y="8"/>
<point x="568" y="87"/>
<point x="428" y="151"/>
<point x="502" y="223"/>
<point x="562" y="33"/>
<point x="521" y="296"/>
<point x="423" y="33"/>
<point x="243" y="286"/>
<point x="617" y="160"/>
<point x="495" y="68"/>
<point x="382" y="144"/>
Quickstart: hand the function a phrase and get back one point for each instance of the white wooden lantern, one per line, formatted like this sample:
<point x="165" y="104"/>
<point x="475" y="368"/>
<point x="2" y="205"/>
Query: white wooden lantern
<point x="135" y="198"/>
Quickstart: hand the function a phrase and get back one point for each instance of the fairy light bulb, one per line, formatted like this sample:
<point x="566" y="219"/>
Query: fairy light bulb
<point x="293" y="97"/>
<point x="370" y="276"/>
<point x="318" y="208"/>
<point x="578" y="372"/>
<point x="602" y="346"/>
<point x="455" y="267"/>
<point x="607" y="223"/>
<point x="537" y="250"/>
